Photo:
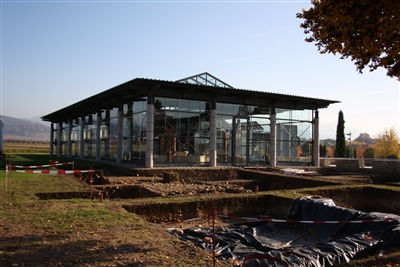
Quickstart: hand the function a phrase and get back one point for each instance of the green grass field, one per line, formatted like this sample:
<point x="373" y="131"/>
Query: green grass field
<point x="23" y="146"/>
<point x="20" y="205"/>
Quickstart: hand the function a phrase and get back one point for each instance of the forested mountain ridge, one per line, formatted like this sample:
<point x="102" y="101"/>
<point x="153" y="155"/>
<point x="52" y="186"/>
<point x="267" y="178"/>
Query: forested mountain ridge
<point x="14" y="128"/>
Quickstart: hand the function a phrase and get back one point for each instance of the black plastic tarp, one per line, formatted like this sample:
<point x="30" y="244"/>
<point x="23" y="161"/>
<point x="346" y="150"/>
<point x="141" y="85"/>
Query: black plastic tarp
<point x="315" y="232"/>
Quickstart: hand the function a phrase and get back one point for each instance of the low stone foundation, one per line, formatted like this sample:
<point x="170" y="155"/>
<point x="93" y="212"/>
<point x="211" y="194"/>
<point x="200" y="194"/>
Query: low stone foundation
<point x="377" y="165"/>
<point x="350" y="164"/>
<point x="326" y="162"/>
<point x="386" y="165"/>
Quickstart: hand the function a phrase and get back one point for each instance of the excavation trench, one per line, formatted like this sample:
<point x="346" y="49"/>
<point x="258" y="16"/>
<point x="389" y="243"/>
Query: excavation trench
<point x="234" y="191"/>
<point x="268" y="205"/>
<point x="189" y="194"/>
<point x="367" y="199"/>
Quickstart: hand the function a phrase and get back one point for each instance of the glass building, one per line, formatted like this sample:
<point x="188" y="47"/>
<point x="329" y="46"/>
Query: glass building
<point x="199" y="120"/>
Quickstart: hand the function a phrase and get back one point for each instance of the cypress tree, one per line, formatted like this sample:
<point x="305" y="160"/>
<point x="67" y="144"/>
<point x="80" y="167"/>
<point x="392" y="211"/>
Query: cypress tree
<point x="340" y="137"/>
<point x="322" y="150"/>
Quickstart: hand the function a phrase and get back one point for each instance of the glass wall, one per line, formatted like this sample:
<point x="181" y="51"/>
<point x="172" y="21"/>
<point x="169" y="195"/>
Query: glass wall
<point x="65" y="132"/>
<point x="182" y="133"/>
<point x="134" y="131"/>
<point x="89" y="136"/>
<point x="259" y="139"/>
<point x="112" y="134"/>
<point x="75" y="138"/>
<point x="63" y="138"/>
<point x="182" y="127"/>
<point x="294" y="135"/>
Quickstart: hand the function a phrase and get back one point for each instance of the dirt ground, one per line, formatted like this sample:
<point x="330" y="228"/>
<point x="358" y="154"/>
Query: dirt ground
<point x="148" y="245"/>
<point x="23" y="245"/>
<point x="118" y="247"/>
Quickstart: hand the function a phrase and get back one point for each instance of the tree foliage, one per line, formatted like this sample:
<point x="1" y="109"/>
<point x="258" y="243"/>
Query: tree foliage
<point x="305" y="149"/>
<point x="330" y="152"/>
<point x="387" y="143"/>
<point x="360" y="148"/>
<point x="367" y="31"/>
<point x="322" y="150"/>
<point x="340" y="137"/>
<point x="369" y="153"/>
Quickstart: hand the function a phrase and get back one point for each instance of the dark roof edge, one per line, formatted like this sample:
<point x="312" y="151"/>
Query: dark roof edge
<point x="138" y="88"/>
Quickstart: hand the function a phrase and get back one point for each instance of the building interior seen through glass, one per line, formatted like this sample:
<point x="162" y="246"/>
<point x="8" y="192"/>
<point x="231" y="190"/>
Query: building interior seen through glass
<point x="181" y="133"/>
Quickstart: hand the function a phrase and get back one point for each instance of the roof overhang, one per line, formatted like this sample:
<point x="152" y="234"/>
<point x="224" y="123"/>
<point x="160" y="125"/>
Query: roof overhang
<point x="140" y="88"/>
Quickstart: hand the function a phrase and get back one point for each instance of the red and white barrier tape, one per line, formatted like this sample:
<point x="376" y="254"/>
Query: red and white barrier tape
<point x="184" y="221"/>
<point x="41" y="166"/>
<point x="53" y="171"/>
<point x="310" y="222"/>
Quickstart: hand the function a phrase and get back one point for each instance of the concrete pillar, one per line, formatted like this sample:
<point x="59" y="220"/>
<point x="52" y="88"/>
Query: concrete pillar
<point x="107" y="137"/>
<point x="272" y="139"/>
<point x="89" y="136"/>
<point x="69" y="139"/>
<point x="248" y="133"/>
<point x="59" y="141"/>
<point x="52" y="139"/>
<point x="150" y="132"/>
<point x="82" y="138"/>
<point x="129" y="118"/>
<point x="120" y="131"/>
<point x="233" y="141"/>
<point x="316" y="140"/>
<point x="213" y="135"/>
<point x="98" y="137"/>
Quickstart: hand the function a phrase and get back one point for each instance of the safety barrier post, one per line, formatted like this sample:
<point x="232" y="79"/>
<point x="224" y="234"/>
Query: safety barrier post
<point x="8" y="185"/>
<point x="213" y="232"/>
<point x="91" y="184"/>
<point x="9" y="188"/>
<point x="53" y="163"/>
<point x="209" y="214"/>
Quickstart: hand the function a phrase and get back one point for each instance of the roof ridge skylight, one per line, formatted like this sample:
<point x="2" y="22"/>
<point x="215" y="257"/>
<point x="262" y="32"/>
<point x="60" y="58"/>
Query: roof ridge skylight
<point x="205" y="78"/>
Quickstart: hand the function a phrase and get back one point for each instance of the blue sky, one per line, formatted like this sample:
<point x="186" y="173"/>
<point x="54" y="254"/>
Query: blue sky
<point x="55" y="53"/>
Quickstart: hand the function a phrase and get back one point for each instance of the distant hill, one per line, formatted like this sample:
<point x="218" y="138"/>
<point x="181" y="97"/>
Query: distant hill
<point x="328" y="142"/>
<point x="365" y="138"/>
<point x="22" y="129"/>
<point x="362" y="138"/>
<point x="37" y="119"/>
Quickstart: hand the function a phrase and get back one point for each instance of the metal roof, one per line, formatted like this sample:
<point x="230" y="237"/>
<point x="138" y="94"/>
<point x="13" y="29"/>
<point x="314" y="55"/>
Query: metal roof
<point x="139" y="88"/>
